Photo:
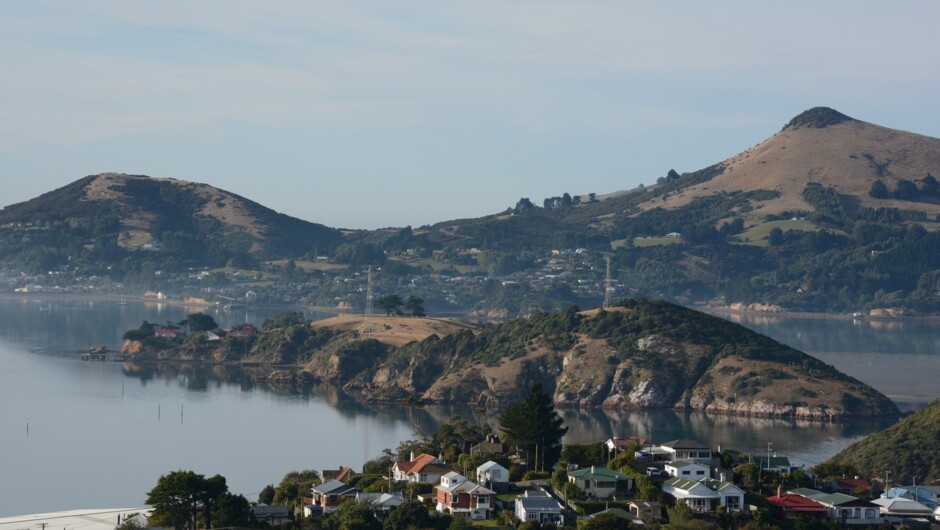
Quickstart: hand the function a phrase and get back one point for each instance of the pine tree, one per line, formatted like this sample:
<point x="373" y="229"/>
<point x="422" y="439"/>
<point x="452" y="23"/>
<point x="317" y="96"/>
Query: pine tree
<point x="533" y="425"/>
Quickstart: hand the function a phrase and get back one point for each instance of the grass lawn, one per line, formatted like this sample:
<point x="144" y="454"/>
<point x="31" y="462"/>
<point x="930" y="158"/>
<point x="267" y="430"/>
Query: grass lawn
<point x="437" y="265"/>
<point x="655" y="241"/>
<point x="757" y="235"/>
<point x="308" y="266"/>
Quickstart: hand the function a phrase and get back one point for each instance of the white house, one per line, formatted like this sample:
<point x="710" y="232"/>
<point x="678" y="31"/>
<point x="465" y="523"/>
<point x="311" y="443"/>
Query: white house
<point x="850" y="510"/>
<point x="538" y="505"/>
<point x="687" y="470"/>
<point x="493" y="475"/>
<point x="424" y="468"/>
<point x="704" y="495"/>
<point x="687" y="450"/>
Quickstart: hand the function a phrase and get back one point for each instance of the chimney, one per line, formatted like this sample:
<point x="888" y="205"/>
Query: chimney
<point x="723" y="477"/>
<point x="779" y="490"/>
<point x="412" y="457"/>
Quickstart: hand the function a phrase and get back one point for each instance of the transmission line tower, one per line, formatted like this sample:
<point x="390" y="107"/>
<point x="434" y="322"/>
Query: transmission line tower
<point x="607" y="286"/>
<point x="367" y="321"/>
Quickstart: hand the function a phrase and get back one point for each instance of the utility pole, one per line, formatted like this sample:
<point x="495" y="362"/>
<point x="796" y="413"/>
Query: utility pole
<point x="886" y="479"/>
<point x="769" y="444"/>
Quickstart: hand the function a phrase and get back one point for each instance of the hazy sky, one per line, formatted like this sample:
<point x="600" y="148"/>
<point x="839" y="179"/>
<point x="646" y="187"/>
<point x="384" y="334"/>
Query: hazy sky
<point x="370" y="114"/>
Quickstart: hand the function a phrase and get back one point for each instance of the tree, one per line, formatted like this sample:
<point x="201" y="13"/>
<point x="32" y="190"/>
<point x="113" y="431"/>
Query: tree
<point x="532" y="424"/>
<point x="353" y="515"/>
<point x="201" y="322"/>
<point x="284" y="319"/>
<point x="878" y="190"/>
<point x="232" y="511"/>
<point x="775" y="237"/>
<point x="294" y="485"/>
<point x="390" y="304"/>
<point x="524" y="204"/>
<point x="267" y="495"/>
<point x="183" y="499"/>
<point x="415" y="306"/>
<point x="411" y="514"/>
<point x="906" y="190"/>
<point x="606" y="521"/>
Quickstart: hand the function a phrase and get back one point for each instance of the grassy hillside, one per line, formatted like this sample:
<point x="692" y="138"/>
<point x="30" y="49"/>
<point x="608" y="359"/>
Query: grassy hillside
<point x="127" y="223"/>
<point x="909" y="450"/>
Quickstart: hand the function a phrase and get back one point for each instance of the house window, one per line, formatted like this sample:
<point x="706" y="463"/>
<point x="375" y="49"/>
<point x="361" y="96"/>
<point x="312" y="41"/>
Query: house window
<point x="686" y="472"/>
<point x="495" y="473"/>
<point x="733" y="503"/>
<point x="858" y="513"/>
<point x="869" y="513"/>
<point x="483" y="499"/>
<point x="699" y="472"/>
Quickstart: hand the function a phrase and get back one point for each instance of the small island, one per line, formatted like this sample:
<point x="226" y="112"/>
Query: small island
<point x="633" y="354"/>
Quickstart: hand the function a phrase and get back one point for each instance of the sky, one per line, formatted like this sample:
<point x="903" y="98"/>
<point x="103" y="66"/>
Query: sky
<point x="373" y="114"/>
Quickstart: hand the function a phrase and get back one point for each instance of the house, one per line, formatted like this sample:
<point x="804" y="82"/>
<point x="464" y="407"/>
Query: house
<point x="777" y="464"/>
<point x="704" y="495"/>
<point x="272" y="515"/>
<point x="616" y="512"/>
<point x="847" y="509"/>
<point x="852" y="486"/>
<point x="491" y="446"/>
<point x="166" y="333"/>
<point x="901" y="507"/>
<point x="687" y="450"/>
<point x="382" y="501"/>
<point x="424" y="468"/>
<point x="615" y="445"/>
<point x="457" y="495"/>
<point x="793" y="506"/>
<point x="245" y="330"/>
<point x="601" y="482"/>
<point x="538" y="505"/>
<point x="646" y="511"/>
<point x="329" y="495"/>
<point x="687" y="469"/>
<point x="929" y="496"/>
<point x="493" y="475"/>
<point x="343" y="474"/>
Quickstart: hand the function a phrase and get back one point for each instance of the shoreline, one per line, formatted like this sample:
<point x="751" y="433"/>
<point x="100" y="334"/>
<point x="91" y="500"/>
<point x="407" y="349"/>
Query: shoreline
<point x="708" y="309"/>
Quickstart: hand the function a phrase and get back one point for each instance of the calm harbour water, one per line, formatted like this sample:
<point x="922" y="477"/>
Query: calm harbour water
<point x="100" y="435"/>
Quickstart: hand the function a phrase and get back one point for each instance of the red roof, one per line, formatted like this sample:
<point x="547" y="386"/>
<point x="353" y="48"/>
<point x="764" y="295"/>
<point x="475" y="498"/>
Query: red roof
<point x="798" y="503"/>
<point x="852" y="484"/>
<point x="417" y="464"/>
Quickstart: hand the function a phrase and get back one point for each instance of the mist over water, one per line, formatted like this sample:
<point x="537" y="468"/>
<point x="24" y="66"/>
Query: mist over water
<point x="100" y="434"/>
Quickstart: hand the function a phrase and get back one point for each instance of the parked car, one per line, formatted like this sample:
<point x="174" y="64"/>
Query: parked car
<point x="655" y="472"/>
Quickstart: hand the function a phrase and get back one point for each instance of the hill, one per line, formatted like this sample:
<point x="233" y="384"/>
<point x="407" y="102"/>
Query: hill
<point x="909" y="450"/>
<point x="829" y="214"/>
<point x="638" y="354"/>
<point x="103" y="219"/>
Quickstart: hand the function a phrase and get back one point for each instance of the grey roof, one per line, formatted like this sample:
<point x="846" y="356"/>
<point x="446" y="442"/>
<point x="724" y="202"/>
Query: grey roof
<point x="539" y="504"/>
<point x="334" y="487"/>
<point x="489" y="464"/>
<point x="265" y="510"/>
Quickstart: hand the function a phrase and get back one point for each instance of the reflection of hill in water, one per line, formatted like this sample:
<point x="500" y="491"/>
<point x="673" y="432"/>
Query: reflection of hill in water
<point x="204" y="378"/>
<point x="807" y="440"/>
<point x="918" y="337"/>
